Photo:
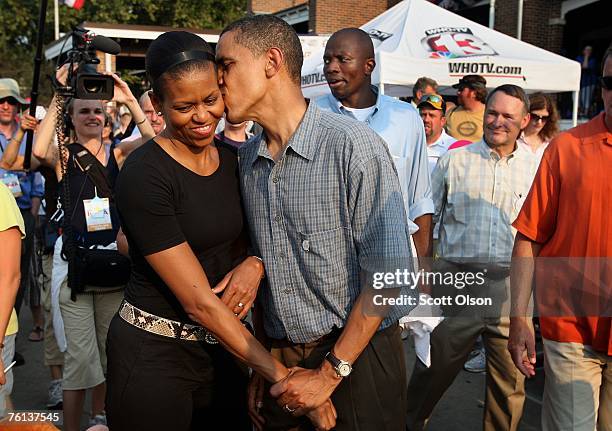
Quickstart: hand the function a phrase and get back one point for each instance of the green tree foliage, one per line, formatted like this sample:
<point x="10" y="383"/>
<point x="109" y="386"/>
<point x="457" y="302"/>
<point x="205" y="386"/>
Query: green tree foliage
<point x="19" y="23"/>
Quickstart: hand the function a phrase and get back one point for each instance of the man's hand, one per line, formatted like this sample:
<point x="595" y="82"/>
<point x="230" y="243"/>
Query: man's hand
<point x="27" y="122"/>
<point x="521" y="345"/>
<point x="305" y="390"/>
<point x="255" y="400"/>
<point x="323" y="417"/>
<point x="240" y="286"/>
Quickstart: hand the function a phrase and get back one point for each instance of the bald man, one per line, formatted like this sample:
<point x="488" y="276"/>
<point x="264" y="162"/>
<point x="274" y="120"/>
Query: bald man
<point x="348" y="66"/>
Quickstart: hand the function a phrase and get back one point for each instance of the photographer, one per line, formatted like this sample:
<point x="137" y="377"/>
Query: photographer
<point x="90" y="168"/>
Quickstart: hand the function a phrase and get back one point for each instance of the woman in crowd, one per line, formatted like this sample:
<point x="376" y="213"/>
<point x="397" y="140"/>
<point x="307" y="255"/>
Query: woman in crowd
<point x="543" y="125"/>
<point x="87" y="303"/>
<point x="170" y="347"/>
<point x="12" y="229"/>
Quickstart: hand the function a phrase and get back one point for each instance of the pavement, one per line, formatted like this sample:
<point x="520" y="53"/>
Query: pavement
<point x="460" y="409"/>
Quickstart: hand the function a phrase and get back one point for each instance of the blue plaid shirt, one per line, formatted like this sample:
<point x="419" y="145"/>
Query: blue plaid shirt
<point x="400" y="125"/>
<point x="31" y="183"/>
<point x="330" y="208"/>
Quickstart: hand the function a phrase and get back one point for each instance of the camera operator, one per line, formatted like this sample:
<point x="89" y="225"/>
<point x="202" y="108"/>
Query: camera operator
<point x="91" y="167"/>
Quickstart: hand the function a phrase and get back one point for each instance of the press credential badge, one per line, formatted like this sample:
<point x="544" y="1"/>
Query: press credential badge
<point x="12" y="182"/>
<point x="97" y="213"/>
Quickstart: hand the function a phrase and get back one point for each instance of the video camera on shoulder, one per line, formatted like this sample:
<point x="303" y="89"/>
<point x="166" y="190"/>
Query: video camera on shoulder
<point x="85" y="82"/>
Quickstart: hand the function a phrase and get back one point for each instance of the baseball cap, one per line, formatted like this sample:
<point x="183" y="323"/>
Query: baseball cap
<point x="10" y="88"/>
<point x="471" y="81"/>
<point x="433" y="100"/>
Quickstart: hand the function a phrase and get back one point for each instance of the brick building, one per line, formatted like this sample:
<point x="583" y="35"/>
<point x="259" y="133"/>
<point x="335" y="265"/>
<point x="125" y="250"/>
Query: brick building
<point x="561" y="26"/>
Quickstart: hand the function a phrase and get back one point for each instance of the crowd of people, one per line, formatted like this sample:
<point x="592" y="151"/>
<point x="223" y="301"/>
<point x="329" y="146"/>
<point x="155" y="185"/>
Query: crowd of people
<point x="208" y="249"/>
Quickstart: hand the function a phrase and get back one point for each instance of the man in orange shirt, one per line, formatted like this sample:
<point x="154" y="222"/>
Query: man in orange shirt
<point x="566" y="221"/>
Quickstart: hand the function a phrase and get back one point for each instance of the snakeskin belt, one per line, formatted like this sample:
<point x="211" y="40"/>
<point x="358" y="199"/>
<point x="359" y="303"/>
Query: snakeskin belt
<point x="162" y="326"/>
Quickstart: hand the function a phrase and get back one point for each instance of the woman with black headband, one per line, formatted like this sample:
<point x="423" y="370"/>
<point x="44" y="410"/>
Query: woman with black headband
<point x="170" y="363"/>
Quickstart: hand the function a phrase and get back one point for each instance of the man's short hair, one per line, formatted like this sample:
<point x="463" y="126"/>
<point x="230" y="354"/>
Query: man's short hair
<point x="259" y="33"/>
<point x="514" y="91"/>
<point x="422" y="83"/>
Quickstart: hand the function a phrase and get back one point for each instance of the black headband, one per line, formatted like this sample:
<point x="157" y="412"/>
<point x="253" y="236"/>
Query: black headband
<point x="181" y="57"/>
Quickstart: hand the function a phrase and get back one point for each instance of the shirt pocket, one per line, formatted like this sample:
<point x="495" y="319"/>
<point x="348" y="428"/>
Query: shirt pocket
<point x="329" y="260"/>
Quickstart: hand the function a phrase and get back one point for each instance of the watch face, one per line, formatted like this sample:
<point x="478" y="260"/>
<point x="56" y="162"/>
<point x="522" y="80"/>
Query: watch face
<point x="344" y="370"/>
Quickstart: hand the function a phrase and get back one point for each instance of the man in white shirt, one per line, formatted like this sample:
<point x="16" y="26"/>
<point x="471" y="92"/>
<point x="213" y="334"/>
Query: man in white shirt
<point x="431" y="108"/>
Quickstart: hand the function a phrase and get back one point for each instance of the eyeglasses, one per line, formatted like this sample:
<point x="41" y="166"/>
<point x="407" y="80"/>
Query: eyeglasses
<point x="606" y="82"/>
<point x="536" y="118"/>
<point x="10" y="100"/>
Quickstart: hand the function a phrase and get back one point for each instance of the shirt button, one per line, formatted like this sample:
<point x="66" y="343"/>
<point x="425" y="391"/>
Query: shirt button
<point x="277" y="218"/>
<point x="287" y="290"/>
<point x="281" y="255"/>
<point x="275" y="180"/>
<point x="305" y="245"/>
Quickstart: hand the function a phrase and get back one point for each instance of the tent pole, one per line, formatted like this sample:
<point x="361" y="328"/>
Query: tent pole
<point x="381" y="88"/>
<point x="575" y="109"/>
<point x="492" y="14"/>
<point x="519" y="25"/>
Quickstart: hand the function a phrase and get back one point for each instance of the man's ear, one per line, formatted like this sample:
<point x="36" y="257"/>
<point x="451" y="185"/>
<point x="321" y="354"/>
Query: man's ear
<point x="525" y="120"/>
<point x="370" y="64"/>
<point x="274" y="62"/>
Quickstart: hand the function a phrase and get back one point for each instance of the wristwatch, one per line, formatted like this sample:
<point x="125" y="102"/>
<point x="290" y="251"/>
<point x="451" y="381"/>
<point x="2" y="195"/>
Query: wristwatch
<point x="343" y="368"/>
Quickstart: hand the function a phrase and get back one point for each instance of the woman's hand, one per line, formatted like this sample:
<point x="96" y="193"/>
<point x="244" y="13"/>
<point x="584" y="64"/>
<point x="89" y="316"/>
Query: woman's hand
<point x="122" y="92"/>
<point x="62" y="74"/>
<point x="323" y="417"/>
<point x="27" y="122"/>
<point x="240" y="286"/>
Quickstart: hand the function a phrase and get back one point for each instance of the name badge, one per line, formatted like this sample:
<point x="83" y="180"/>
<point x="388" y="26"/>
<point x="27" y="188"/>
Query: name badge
<point x="97" y="214"/>
<point x="12" y="182"/>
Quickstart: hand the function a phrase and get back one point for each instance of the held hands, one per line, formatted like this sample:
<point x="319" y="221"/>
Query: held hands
<point x="305" y="390"/>
<point x="521" y="345"/>
<point x="240" y="286"/>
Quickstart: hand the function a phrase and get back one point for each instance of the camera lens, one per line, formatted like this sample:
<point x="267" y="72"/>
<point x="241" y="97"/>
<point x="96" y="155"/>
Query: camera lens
<point x="93" y="85"/>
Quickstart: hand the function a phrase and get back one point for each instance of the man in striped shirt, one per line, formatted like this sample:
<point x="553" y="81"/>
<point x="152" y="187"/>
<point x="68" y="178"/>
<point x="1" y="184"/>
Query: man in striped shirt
<point x="478" y="190"/>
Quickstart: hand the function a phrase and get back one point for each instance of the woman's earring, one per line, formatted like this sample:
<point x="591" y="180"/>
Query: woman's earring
<point x="159" y="113"/>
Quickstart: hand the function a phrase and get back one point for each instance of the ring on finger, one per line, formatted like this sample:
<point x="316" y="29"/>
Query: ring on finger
<point x="289" y="409"/>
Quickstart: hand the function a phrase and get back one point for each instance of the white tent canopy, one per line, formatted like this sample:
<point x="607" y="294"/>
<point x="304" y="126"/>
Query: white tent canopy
<point x="417" y="38"/>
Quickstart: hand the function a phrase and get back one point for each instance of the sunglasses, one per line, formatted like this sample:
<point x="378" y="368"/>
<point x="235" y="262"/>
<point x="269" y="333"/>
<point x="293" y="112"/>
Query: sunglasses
<point x="537" y="118"/>
<point x="10" y="100"/>
<point x="606" y="82"/>
<point x="431" y="98"/>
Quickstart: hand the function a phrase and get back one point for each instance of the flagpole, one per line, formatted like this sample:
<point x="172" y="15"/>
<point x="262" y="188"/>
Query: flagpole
<point x="56" y="16"/>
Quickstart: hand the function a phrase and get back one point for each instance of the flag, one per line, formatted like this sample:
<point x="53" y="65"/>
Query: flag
<point x="77" y="4"/>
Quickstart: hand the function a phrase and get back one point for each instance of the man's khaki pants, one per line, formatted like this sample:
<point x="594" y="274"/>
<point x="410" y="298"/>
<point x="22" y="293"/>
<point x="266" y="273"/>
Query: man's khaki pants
<point x="451" y="344"/>
<point x="578" y="388"/>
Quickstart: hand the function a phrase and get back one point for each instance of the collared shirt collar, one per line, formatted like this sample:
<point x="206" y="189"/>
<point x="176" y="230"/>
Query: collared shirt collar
<point x="489" y="153"/>
<point x="303" y="141"/>
<point x="15" y="129"/>
<point x="339" y="107"/>
<point x="441" y="141"/>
